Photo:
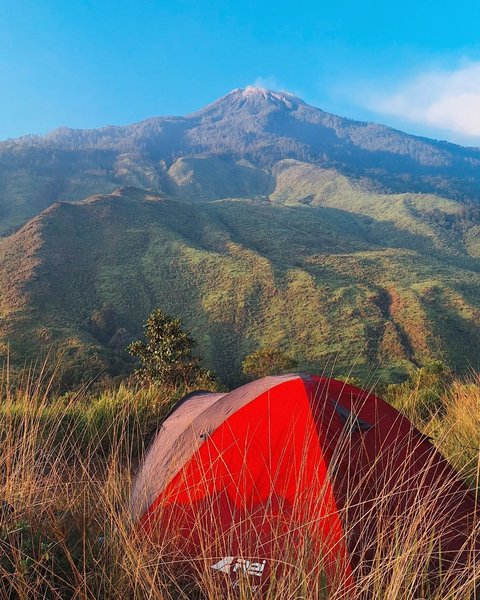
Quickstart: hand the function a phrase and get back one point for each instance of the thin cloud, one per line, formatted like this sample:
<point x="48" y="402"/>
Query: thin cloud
<point x="272" y="83"/>
<point x="443" y="99"/>
<point x="269" y="83"/>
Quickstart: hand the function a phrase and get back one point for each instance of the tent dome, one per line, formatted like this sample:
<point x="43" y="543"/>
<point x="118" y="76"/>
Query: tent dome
<point x="233" y="482"/>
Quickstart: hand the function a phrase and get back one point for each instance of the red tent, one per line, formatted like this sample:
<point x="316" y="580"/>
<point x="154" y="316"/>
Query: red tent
<point x="233" y="482"/>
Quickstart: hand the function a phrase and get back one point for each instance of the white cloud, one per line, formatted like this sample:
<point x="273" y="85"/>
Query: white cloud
<point x="273" y="84"/>
<point x="443" y="99"/>
<point x="269" y="83"/>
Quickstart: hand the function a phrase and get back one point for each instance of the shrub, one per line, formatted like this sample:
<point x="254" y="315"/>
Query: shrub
<point x="267" y="361"/>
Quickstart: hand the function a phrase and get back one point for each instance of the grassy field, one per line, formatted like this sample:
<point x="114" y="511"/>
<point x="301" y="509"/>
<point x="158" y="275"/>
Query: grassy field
<point x="66" y="470"/>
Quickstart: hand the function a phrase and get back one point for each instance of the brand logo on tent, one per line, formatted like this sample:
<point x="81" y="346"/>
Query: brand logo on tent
<point x="230" y="565"/>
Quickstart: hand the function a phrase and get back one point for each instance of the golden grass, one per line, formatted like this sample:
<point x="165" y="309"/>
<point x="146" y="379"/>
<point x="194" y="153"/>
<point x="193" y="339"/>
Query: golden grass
<point x="66" y="466"/>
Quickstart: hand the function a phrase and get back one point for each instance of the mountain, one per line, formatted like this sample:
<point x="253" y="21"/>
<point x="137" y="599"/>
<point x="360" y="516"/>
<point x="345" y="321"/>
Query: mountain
<point x="259" y="221"/>
<point x="228" y="149"/>
<point x="341" y="284"/>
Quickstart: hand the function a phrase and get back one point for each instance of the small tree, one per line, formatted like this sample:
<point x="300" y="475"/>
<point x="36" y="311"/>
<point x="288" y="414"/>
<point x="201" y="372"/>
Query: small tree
<point x="166" y="355"/>
<point x="268" y="361"/>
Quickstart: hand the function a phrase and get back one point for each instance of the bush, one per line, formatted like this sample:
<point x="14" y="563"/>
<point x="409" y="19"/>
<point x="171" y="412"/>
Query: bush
<point x="421" y="396"/>
<point x="268" y="361"/>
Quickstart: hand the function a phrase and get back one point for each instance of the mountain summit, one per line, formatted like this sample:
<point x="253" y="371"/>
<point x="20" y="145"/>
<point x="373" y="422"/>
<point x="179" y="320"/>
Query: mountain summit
<point x="253" y="99"/>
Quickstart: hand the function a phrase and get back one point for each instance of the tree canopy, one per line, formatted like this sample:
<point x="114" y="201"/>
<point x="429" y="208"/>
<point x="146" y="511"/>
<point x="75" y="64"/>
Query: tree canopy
<point x="167" y="353"/>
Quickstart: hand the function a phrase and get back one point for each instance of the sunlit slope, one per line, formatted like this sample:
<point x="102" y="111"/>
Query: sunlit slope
<point x="425" y="221"/>
<point x="333" y="285"/>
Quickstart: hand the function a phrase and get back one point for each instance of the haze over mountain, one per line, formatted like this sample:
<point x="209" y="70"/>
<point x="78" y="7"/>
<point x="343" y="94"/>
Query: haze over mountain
<point x="259" y="220"/>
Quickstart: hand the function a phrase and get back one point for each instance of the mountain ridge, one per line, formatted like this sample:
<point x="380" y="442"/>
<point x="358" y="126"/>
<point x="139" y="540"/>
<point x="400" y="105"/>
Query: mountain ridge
<point x="252" y="91"/>
<point x="260" y="127"/>
<point x="260" y="221"/>
<point x="331" y="284"/>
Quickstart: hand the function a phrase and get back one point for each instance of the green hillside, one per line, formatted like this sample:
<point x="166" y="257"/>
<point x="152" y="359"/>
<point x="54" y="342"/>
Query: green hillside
<point x="318" y="265"/>
<point x="259" y="220"/>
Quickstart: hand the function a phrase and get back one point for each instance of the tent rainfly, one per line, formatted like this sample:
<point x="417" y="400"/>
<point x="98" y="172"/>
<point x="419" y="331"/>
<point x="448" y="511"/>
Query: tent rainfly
<point x="243" y="484"/>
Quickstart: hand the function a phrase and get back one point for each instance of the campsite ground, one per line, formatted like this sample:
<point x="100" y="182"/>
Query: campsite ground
<point x="66" y="468"/>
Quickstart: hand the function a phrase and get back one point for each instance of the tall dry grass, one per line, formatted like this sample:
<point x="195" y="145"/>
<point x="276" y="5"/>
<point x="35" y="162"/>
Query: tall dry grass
<point x="66" y="467"/>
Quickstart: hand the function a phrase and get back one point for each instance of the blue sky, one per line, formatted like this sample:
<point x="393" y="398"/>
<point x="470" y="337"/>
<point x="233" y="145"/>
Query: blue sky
<point x="86" y="63"/>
